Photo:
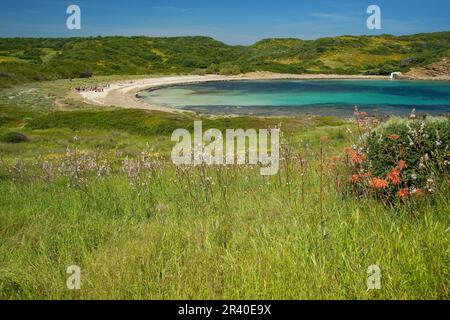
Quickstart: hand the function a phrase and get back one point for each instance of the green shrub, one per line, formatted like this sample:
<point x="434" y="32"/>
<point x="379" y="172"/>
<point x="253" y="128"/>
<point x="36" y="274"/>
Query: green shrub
<point x="199" y="72"/>
<point x="402" y="158"/>
<point x="85" y="74"/>
<point x="14" y="137"/>
<point x="230" y="70"/>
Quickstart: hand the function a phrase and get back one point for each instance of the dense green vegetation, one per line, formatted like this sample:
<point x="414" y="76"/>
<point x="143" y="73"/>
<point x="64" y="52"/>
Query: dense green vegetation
<point x="401" y="160"/>
<point x="81" y="192"/>
<point x="25" y="60"/>
<point x="95" y="187"/>
<point x="13" y="137"/>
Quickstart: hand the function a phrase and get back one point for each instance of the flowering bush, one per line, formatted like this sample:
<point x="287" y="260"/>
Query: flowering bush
<point x="400" y="159"/>
<point x="14" y="137"/>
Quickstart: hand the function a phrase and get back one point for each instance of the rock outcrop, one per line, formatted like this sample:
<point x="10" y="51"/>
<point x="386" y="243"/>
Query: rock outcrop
<point x="435" y="71"/>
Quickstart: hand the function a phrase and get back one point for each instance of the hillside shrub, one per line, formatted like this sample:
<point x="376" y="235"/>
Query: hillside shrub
<point x="230" y="70"/>
<point x="14" y="137"/>
<point x="86" y="74"/>
<point x="199" y="72"/>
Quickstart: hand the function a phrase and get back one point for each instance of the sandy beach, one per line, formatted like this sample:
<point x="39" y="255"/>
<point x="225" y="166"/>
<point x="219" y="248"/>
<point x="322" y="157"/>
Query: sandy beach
<point x="123" y="93"/>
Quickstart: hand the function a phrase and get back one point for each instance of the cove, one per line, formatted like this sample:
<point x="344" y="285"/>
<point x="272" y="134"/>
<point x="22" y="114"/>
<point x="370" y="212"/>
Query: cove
<point x="318" y="97"/>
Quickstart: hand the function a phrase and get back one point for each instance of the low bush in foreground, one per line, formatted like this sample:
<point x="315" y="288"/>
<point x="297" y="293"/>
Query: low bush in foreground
<point x="401" y="159"/>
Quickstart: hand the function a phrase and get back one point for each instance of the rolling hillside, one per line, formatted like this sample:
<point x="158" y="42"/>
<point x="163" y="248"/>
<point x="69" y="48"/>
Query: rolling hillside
<point x="38" y="59"/>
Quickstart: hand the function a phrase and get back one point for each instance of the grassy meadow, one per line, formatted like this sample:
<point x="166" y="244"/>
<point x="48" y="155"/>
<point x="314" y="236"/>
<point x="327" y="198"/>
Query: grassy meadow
<point x="95" y="187"/>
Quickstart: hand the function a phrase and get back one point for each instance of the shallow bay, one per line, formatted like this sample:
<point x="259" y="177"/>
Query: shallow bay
<point x="321" y="97"/>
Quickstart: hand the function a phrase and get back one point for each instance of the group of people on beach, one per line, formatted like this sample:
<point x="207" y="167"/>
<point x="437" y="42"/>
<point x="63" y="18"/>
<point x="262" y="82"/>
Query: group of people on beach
<point x="96" y="88"/>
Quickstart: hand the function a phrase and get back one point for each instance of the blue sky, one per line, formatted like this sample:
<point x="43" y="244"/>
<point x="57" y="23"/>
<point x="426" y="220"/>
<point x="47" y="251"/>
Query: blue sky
<point x="231" y="21"/>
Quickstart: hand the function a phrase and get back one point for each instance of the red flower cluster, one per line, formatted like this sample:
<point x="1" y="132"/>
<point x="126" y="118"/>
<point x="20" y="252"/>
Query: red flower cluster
<point x="394" y="137"/>
<point x="358" y="158"/>
<point x="403" y="193"/>
<point x="379" y="183"/>
<point x="394" y="177"/>
<point x="356" y="178"/>
<point x="401" y="165"/>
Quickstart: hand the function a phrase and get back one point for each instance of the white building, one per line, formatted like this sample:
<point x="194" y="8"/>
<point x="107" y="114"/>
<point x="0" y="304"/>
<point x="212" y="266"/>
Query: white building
<point x="395" y="75"/>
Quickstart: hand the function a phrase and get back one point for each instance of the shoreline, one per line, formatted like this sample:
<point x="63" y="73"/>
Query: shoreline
<point x="124" y="93"/>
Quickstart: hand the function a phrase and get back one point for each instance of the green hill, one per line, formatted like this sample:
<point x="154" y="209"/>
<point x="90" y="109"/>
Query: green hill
<point x="38" y="59"/>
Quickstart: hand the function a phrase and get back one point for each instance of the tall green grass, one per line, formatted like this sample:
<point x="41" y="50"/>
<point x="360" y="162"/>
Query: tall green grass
<point x="203" y="233"/>
<point x="235" y="235"/>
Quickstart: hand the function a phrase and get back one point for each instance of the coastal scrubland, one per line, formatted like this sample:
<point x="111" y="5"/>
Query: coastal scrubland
<point x="95" y="187"/>
<point x="30" y="60"/>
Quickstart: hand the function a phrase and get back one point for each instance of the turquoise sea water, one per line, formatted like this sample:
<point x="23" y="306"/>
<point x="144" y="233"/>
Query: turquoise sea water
<point x="322" y="97"/>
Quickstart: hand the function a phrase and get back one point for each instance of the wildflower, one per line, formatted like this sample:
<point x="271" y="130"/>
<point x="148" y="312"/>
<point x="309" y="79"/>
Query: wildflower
<point x="394" y="177"/>
<point x="403" y="193"/>
<point x="422" y="127"/>
<point x="394" y="137"/>
<point x="358" y="158"/>
<point x="380" y="183"/>
<point x="355" y="179"/>
<point x="430" y="185"/>
<point x="348" y="150"/>
<point x="401" y="165"/>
